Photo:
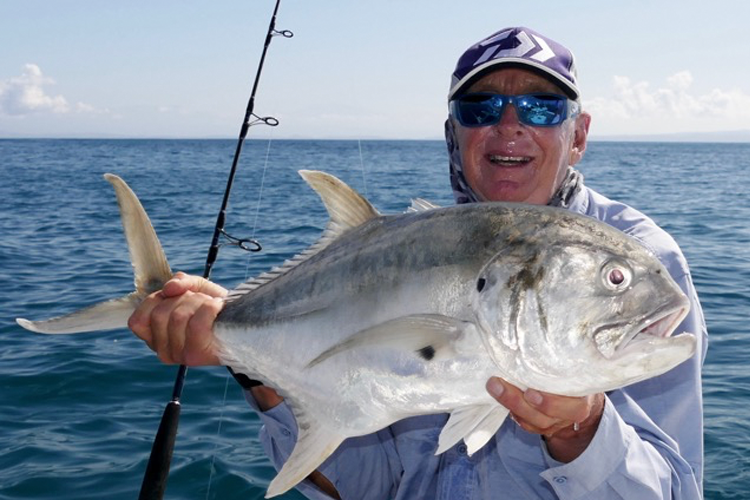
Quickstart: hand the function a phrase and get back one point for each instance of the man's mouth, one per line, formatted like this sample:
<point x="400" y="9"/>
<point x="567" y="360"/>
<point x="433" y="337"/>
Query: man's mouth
<point x="509" y="161"/>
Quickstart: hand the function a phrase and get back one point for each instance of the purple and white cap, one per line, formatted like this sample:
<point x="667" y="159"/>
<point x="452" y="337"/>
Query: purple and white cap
<point x="516" y="47"/>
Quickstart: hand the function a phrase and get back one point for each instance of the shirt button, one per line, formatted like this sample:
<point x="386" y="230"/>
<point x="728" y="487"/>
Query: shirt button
<point x="462" y="449"/>
<point x="286" y="432"/>
<point x="560" y="479"/>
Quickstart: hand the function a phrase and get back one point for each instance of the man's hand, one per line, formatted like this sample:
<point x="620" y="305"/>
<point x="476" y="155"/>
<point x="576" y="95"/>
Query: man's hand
<point x="177" y="322"/>
<point x="567" y="424"/>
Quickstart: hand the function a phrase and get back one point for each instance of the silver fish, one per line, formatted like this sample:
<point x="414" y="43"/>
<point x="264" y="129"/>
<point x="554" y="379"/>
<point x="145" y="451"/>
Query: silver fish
<point x="387" y="317"/>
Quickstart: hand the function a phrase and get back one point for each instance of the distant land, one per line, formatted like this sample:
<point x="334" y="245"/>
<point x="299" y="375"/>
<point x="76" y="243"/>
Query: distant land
<point x="741" y="136"/>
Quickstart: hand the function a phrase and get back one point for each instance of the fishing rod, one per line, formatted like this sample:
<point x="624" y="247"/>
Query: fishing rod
<point x="157" y="470"/>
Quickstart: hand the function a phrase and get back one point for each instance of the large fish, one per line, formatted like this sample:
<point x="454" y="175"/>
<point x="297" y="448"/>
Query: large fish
<point x="387" y="317"/>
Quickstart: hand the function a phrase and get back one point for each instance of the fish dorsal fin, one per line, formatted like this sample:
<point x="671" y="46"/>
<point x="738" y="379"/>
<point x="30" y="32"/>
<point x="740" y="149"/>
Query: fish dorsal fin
<point x="474" y="424"/>
<point x="314" y="445"/>
<point x="421" y="205"/>
<point x="347" y="209"/>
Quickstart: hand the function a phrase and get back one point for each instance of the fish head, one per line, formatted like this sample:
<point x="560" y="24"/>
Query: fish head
<point x="575" y="318"/>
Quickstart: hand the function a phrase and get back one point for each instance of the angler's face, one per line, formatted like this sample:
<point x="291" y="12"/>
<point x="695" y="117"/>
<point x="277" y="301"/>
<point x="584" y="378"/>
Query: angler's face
<point x="510" y="161"/>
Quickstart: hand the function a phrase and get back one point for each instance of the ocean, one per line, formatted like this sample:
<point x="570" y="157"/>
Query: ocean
<point x="79" y="413"/>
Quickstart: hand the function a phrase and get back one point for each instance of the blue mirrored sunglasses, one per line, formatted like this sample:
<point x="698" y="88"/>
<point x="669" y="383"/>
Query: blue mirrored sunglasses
<point x="537" y="110"/>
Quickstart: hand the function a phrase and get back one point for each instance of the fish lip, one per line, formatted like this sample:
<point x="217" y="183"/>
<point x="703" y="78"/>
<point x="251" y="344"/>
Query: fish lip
<point x="661" y="322"/>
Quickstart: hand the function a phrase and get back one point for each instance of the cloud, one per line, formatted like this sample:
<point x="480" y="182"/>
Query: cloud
<point x="674" y="99"/>
<point x="25" y="95"/>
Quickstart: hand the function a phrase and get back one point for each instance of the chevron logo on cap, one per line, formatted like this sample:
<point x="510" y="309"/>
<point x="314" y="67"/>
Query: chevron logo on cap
<point x="516" y="46"/>
<point x="525" y="46"/>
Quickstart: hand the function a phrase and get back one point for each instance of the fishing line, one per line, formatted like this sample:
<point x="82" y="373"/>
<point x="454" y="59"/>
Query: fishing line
<point x="228" y="375"/>
<point x="218" y="434"/>
<point x="157" y="470"/>
<point x="362" y="167"/>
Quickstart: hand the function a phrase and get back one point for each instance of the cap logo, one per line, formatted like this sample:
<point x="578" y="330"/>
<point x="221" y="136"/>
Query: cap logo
<point x="525" y="46"/>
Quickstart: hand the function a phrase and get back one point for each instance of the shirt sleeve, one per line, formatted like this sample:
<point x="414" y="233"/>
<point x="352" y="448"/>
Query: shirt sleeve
<point x="625" y="460"/>
<point x="372" y="459"/>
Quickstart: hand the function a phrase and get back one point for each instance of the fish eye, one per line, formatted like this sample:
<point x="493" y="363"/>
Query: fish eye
<point x="616" y="276"/>
<point x="480" y="284"/>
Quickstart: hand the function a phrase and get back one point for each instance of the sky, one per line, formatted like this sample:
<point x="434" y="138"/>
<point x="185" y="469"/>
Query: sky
<point x="374" y="69"/>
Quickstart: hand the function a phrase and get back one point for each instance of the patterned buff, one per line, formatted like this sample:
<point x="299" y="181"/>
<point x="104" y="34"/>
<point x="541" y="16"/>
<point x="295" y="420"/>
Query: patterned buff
<point x="463" y="193"/>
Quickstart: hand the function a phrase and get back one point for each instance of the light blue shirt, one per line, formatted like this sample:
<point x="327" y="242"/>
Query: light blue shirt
<point x="649" y="444"/>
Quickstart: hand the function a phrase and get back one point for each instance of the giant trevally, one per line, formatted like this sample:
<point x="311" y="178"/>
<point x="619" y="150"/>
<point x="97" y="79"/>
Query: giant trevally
<point x="387" y="317"/>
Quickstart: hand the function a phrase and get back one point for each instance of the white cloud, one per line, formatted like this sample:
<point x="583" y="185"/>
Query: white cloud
<point x="26" y="94"/>
<point x="674" y="99"/>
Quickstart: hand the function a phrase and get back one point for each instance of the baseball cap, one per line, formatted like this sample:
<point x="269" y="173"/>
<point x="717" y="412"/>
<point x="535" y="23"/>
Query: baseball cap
<point x="519" y="47"/>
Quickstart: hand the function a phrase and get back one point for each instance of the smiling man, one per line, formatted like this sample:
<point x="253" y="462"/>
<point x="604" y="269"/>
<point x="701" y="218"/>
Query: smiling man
<point x="515" y="131"/>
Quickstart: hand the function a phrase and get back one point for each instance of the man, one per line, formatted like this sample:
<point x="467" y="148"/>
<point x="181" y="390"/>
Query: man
<point x="515" y="131"/>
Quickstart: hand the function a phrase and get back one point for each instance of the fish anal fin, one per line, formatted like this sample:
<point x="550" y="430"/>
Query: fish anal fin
<point x="474" y="424"/>
<point x="430" y="336"/>
<point x="314" y="444"/>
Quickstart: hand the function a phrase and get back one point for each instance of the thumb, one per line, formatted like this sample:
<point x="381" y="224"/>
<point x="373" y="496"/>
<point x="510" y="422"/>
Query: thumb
<point x="181" y="283"/>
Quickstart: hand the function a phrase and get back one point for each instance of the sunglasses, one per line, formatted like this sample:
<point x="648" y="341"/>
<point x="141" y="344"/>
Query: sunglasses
<point x="537" y="110"/>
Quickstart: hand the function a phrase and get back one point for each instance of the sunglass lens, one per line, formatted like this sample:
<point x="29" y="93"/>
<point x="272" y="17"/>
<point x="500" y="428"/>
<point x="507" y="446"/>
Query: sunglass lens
<point x="476" y="110"/>
<point x="541" y="110"/>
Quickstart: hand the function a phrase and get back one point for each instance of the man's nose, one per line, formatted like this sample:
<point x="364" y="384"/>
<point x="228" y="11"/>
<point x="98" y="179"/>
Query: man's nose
<point x="509" y="123"/>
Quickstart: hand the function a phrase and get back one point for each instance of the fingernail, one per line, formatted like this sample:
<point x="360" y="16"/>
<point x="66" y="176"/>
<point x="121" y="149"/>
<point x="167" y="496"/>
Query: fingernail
<point x="495" y="388"/>
<point x="533" y="397"/>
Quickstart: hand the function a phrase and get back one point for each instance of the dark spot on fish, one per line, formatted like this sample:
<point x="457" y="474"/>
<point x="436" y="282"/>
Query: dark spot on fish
<point x="480" y="284"/>
<point x="427" y="353"/>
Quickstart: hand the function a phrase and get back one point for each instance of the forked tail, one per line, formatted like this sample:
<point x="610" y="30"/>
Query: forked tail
<point x="149" y="263"/>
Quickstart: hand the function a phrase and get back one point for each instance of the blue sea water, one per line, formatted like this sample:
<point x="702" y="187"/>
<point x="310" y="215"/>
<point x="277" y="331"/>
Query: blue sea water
<point x="78" y="413"/>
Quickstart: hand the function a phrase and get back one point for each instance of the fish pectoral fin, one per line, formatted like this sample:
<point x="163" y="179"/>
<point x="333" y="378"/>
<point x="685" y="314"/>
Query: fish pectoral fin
<point x="431" y="336"/>
<point x="314" y="445"/>
<point x="474" y="424"/>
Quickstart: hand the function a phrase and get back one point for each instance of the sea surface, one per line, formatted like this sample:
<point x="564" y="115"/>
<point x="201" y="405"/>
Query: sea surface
<point x="78" y="413"/>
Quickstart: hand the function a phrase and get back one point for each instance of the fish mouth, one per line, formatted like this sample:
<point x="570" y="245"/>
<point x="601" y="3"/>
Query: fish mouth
<point x="509" y="161"/>
<point x="661" y="323"/>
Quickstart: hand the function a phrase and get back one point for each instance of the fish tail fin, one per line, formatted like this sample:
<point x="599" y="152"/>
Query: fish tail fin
<point x="149" y="264"/>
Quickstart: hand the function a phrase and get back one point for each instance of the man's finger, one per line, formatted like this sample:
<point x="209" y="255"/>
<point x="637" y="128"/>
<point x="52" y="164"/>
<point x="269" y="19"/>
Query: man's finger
<point x="140" y="321"/>
<point x="181" y="283"/>
<point x="569" y="409"/>
<point x="200" y="344"/>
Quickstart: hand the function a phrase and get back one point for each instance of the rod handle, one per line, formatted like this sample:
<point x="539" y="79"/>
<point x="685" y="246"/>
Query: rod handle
<point x="157" y="470"/>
